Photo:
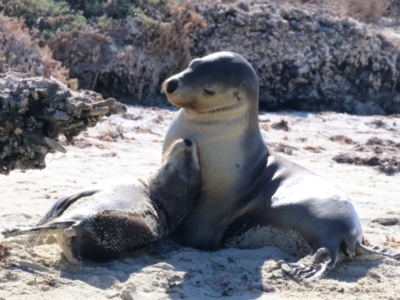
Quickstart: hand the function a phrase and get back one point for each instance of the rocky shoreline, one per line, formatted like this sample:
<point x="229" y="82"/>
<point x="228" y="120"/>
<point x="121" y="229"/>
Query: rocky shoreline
<point x="306" y="59"/>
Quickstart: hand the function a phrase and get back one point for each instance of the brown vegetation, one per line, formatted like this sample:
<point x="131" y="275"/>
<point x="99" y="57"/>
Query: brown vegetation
<point x="131" y="57"/>
<point x="21" y="52"/>
<point x="368" y="11"/>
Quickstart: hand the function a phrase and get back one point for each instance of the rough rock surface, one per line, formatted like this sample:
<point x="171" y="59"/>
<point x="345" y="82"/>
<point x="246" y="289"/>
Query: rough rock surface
<point x="34" y="111"/>
<point x="306" y="60"/>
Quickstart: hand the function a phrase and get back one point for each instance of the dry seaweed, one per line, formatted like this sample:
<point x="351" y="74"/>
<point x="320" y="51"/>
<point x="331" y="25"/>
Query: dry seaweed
<point x="387" y="165"/>
<point x="341" y="139"/>
<point x="4" y="254"/>
<point x="314" y="149"/>
<point x="378" y="123"/>
<point x="281" y="125"/>
<point x="279" y="147"/>
<point x="381" y="142"/>
<point x="390" y="221"/>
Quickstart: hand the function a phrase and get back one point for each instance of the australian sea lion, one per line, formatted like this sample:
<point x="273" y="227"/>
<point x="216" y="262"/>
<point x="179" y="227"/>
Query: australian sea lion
<point x="245" y="184"/>
<point x="99" y="225"/>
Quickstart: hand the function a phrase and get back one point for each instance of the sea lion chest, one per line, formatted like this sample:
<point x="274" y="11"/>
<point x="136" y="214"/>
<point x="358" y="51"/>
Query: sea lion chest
<point x="231" y="156"/>
<point x="227" y="150"/>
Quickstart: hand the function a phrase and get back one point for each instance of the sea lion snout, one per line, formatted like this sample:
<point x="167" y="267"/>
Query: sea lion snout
<point x="188" y="143"/>
<point x="172" y="85"/>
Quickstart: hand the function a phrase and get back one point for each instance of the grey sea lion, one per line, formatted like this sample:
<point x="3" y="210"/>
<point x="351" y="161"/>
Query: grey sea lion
<point x="245" y="184"/>
<point x="100" y="225"/>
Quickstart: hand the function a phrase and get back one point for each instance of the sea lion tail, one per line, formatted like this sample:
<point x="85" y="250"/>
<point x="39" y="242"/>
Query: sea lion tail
<point x="377" y="250"/>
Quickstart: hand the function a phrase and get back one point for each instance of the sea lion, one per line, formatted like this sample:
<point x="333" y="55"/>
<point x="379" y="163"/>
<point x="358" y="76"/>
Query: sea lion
<point x="245" y="184"/>
<point x="101" y="224"/>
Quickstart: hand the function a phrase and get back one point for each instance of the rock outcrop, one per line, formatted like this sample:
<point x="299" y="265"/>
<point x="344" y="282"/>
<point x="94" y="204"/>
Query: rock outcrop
<point x="34" y="111"/>
<point x="308" y="61"/>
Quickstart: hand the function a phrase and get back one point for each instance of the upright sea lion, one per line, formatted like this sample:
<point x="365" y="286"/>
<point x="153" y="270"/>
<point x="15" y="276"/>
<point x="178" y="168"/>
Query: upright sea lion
<point x="100" y="225"/>
<point x="245" y="184"/>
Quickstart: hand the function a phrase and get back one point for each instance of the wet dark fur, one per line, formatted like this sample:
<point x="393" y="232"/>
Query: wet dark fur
<point x="105" y="234"/>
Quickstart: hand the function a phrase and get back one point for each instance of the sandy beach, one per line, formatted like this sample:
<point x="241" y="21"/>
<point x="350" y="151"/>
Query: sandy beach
<point x="127" y="146"/>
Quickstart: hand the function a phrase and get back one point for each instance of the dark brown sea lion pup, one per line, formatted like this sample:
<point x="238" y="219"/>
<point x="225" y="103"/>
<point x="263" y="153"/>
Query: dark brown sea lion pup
<point x="245" y="184"/>
<point x="100" y="225"/>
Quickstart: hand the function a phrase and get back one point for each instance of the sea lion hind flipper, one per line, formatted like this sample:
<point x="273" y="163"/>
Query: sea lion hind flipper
<point x="56" y="210"/>
<point x="322" y="263"/>
<point x="62" y="204"/>
<point x="377" y="250"/>
<point x="53" y="228"/>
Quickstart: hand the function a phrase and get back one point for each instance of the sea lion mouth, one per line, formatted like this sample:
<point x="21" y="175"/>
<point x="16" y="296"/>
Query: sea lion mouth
<point x="186" y="101"/>
<point x="186" y="97"/>
<point x="191" y="103"/>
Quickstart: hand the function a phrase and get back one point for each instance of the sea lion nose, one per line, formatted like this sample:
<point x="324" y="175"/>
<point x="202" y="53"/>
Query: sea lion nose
<point x="172" y="85"/>
<point x="188" y="143"/>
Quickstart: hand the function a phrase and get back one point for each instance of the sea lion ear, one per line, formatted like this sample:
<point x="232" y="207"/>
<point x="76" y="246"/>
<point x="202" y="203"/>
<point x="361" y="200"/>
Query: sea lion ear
<point x="237" y="95"/>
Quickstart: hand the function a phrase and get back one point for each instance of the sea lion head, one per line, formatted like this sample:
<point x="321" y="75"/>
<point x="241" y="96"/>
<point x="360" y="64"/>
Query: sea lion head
<point x="176" y="185"/>
<point x="215" y="82"/>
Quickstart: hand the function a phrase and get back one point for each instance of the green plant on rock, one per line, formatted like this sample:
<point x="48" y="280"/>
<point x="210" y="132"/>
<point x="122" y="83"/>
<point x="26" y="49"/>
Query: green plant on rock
<point x="114" y="49"/>
<point x="45" y="17"/>
<point x="79" y="21"/>
<point x="114" y="9"/>
<point x="31" y="11"/>
<point x="12" y="58"/>
<point x="103" y="21"/>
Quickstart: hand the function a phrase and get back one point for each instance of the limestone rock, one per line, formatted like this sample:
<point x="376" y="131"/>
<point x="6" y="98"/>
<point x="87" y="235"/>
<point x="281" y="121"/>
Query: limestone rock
<point x="34" y="111"/>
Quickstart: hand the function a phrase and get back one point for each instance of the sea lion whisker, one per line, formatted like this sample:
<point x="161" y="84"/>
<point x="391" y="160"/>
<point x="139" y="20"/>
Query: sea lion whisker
<point x="164" y="87"/>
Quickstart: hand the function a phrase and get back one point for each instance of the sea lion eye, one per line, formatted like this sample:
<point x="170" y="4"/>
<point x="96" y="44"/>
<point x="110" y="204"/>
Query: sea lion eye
<point x="209" y="92"/>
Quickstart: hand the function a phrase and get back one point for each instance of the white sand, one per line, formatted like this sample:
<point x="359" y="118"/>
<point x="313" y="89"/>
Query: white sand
<point x="120" y="147"/>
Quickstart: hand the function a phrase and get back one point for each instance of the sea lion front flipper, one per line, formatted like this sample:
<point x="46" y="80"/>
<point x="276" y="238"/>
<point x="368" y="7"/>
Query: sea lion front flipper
<point x="322" y="263"/>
